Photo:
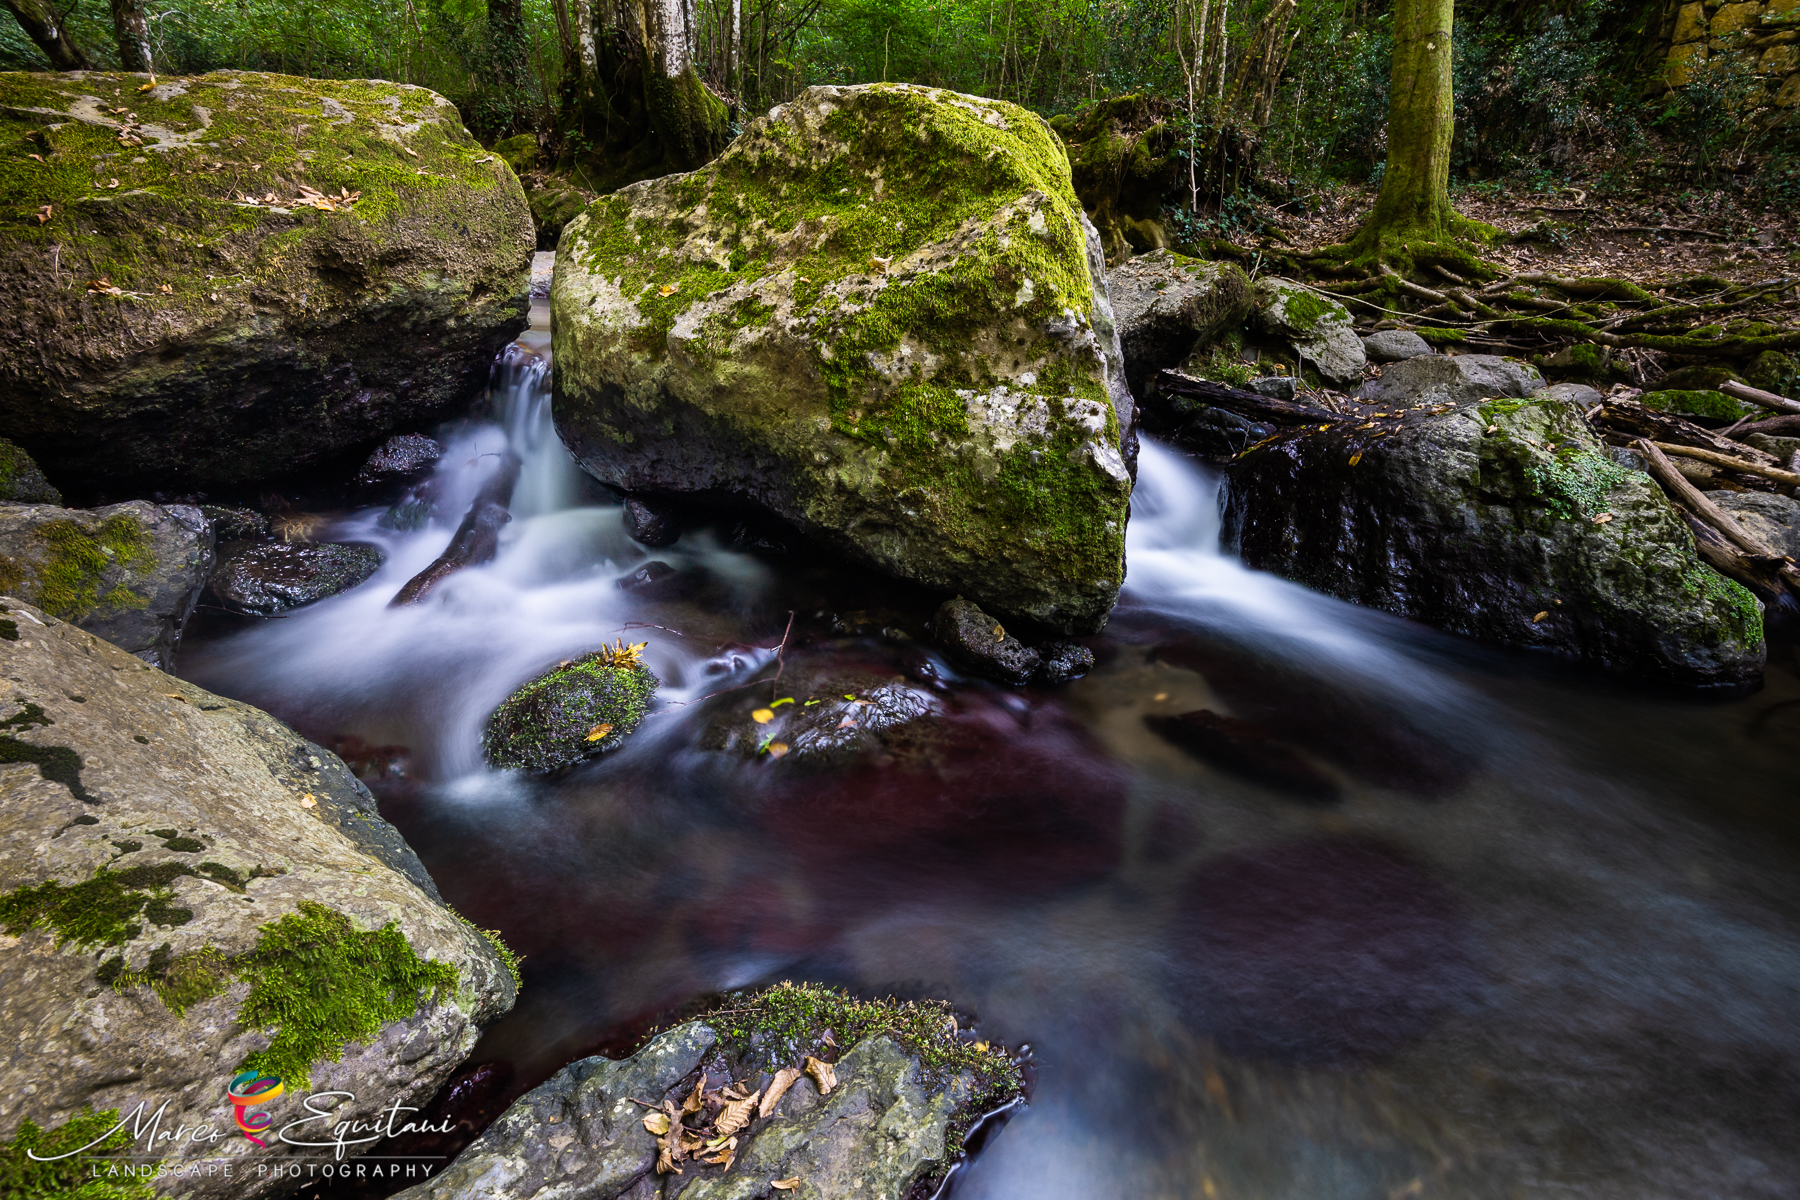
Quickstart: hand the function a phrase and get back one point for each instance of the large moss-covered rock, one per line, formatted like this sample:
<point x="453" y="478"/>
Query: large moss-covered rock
<point x="130" y="573"/>
<point x="1504" y="521"/>
<point x="188" y="889"/>
<point x="880" y="315"/>
<point x="1317" y="327"/>
<point x="572" y="711"/>
<point x="187" y="313"/>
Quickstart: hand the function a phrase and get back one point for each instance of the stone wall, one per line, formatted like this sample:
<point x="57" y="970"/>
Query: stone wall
<point x="1764" y="35"/>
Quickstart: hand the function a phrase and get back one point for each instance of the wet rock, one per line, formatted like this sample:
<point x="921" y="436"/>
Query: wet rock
<point x="236" y="524"/>
<point x="652" y="523"/>
<point x="1167" y="305"/>
<point x="657" y="580"/>
<point x="130" y="573"/>
<point x="403" y="458"/>
<point x="976" y="641"/>
<point x="1441" y="379"/>
<point x="1318" y="328"/>
<point x="286" y="331"/>
<point x="1250" y="751"/>
<point x="20" y="480"/>
<point x="1276" y="387"/>
<point x="1062" y="662"/>
<point x="215" y="833"/>
<point x="828" y="714"/>
<point x="554" y="203"/>
<point x="777" y="384"/>
<point x="571" y="712"/>
<point x="1578" y="394"/>
<point x="1394" y="345"/>
<point x="273" y="577"/>
<point x="1506" y="522"/>
<point x="1773" y="519"/>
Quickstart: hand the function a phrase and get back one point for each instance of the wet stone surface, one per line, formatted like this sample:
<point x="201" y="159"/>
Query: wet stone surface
<point x="273" y="577"/>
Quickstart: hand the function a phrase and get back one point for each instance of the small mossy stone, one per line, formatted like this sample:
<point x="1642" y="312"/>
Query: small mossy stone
<point x="1773" y="371"/>
<point x="569" y="713"/>
<point x="1716" y="406"/>
<point x="521" y="152"/>
<point x="20" y="480"/>
<point x="1697" y="378"/>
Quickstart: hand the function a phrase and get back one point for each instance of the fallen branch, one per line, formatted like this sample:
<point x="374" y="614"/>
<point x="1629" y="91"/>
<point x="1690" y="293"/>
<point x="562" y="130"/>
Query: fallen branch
<point x="1761" y="575"/>
<point x="1634" y="419"/>
<point x="1695" y="500"/>
<point x="476" y="539"/>
<point x="1245" y="404"/>
<point x="1744" y="391"/>
<point x="1731" y="462"/>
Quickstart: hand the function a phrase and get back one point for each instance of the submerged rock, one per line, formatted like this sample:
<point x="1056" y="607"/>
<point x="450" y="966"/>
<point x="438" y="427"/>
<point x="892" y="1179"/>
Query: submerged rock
<point x="275" y="576"/>
<point x="403" y="458"/>
<point x="1504" y="521"/>
<point x="1317" y="327"/>
<point x="1167" y="305"/>
<point x="880" y="315"/>
<point x="130" y="573"/>
<point x="286" y="268"/>
<point x="1442" y="379"/>
<point x="571" y="712"/>
<point x="20" y="480"/>
<point x="189" y="889"/>
<point x="1394" y="345"/>
<point x="978" y="642"/>
<point x="829" y="713"/>
<point x="1244" y="749"/>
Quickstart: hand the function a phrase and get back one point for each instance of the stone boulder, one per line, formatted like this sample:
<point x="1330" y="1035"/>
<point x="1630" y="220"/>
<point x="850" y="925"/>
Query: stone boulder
<point x="573" y="711"/>
<point x="189" y="890"/>
<point x="241" y="275"/>
<point x="1394" y="345"/>
<point x="403" y="458"/>
<point x="1505" y="521"/>
<point x="272" y="577"/>
<point x="1775" y="520"/>
<point x="881" y="316"/>
<point x="1317" y="327"/>
<point x="1167" y="305"/>
<point x="1443" y="379"/>
<point x="130" y="573"/>
<point x="21" y="482"/>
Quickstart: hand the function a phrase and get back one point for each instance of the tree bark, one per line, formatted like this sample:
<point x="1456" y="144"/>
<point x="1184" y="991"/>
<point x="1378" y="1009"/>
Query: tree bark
<point x="43" y="25"/>
<point x="476" y="540"/>
<point x="132" y="30"/>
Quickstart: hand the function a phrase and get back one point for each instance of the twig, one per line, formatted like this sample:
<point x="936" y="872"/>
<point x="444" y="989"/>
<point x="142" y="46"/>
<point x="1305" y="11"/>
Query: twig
<point x="780" y="664"/>
<point x="650" y="625"/>
<point x="1730" y="462"/>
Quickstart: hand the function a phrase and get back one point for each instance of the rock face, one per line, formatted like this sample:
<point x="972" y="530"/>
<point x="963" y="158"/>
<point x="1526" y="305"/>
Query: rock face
<point x="1318" y="328"/>
<point x="880" y="315"/>
<point x="580" y="1137"/>
<point x="1493" y="521"/>
<point x="189" y="890"/>
<point x="240" y="326"/>
<point x="1439" y="379"/>
<point x="1773" y="519"/>
<point x="130" y="573"/>
<point x="1165" y="305"/>
<point x="570" y="712"/>
<point x="276" y="576"/>
<point x="403" y="458"/>
<point x="20" y="480"/>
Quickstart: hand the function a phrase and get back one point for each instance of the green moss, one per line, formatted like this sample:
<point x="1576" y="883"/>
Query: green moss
<point x="322" y="984"/>
<point x="78" y="1176"/>
<point x="1703" y="587"/>
<point x="571" y="712"/>
<point x="64" y="578"/>
<point x="95" y="912"/>
<point x="20" y="479"/>
<point x="180" y="981"/>
<point x="1695" y="403"/>
<point x="508" y="959"/>
<point x="1303" y="309"/>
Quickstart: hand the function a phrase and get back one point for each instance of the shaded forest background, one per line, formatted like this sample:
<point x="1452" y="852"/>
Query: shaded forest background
<point x="1548" y="94"/>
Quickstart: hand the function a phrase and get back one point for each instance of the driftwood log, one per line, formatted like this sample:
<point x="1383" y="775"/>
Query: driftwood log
<point x="1744" y="391"/>
<point x="477" y="538"/>
<point x="1244" y="404"/>
<point x="1734" y="462"/>
<point x="1746" y="558"/>
<point x="1630" y="419"/>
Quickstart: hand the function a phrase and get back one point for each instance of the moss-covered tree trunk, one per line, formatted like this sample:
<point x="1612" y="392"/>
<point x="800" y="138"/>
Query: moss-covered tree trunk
<point x="132" y="31"/>
<point x="43" y="25"/>
<point x="634" y="107"/>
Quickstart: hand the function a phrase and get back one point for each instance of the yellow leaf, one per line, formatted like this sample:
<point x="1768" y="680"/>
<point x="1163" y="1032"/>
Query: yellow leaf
<point x="763" y="716"/>
<point x="786" y="1185"/>
<point x="823" y="1074"/>
<point x="999" y="633"/>
<point x="657" y="1123"/>
<point x="307" y="801"/>
<point x="784" y="1079"/>
<point x="598" y="732"/>
<point x="1356" y="458"/>
<point x="149" y="85"/>
<point x="668" y="289"/>
<point x="1540" y="616"/>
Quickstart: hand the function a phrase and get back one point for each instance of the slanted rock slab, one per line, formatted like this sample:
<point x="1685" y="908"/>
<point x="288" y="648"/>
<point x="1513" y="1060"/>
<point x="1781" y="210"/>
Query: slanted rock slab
<point x="880" y="315"/>
<point x="275" y="576"/>
<point x="189" y="889"/>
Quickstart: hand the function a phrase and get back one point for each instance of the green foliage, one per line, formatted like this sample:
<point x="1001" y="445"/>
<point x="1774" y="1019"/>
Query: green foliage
<point x="1575" y="483"/>
<point x="74" y="1177"/>
<point x="324" y="984"/>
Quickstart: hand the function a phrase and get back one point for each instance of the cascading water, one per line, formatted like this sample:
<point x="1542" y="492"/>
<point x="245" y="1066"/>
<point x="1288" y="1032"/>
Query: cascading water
<point x="1534" y="947"/>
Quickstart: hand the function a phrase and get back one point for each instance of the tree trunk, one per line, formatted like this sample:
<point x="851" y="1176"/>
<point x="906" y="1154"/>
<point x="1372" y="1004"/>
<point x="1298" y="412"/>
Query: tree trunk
<point x="508" y="51"/>
<point x="133" y="33"/>
<point x="42" y="24"/>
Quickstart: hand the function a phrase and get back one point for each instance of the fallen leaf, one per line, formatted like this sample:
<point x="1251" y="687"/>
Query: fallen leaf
<point x="786" y="1185"/>
<point x="778" y="1086"/>
<point x="45" y="213"/>
<point x="1603" y="518"/>
<point x="1323" y="428"/>
<point x="828" y="1039"/>
<point x="668" y="1147"/>
<point x="657" y="1123"/>
<point x="1493" y="429"/>
<point x="736" y="1115"/>
<point x="410" y="151"/>
<point x="1367" y="425"/>
<point x="598" y="732"/>
<point x="307" y="801"/>
<point x="776" y="749"/>
<point x="113" y="184"/>
<point x="697" y="1098"/>
<point x="823" y="1074"/>
<point x="725" y="1154"/>
<point x="847" y="723"/>
<point x="763" y="716"/>
<point x="668" y="289"/>
<point x="39" y="157"/>
<point x="1356" y="458"/>
<point x="999" y="633"/>
<point x="165" y="289"/>
<point x="1540" y="616"/>
<point x="149" y="85"/>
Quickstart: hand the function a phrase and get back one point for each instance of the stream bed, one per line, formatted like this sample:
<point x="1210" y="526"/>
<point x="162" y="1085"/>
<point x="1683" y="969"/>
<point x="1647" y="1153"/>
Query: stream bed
<point x="1538" y="934"/>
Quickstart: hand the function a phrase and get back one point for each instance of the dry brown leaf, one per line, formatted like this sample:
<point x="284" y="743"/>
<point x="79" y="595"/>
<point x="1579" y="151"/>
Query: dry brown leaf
<point x="307" y="801"/>
<point x="697" y="1098"/>
<point x="410" y="151"/>
<point x="999" y="633"/>
<point x="1540" y="616"/>
<point x="657" y="1123"/>
<point x="165" y="289"/>
<point x="828" y="1039"/>
<point x="1356" y="458"/>
<point x="786" y="1185"/>
<point x="725" y="1154"/>
<point x="149" y="85"/>
<point x="776" y="749"/>
<point x="823" y="1074"/>
<point x="736" y="1115"/>
<point x="778" y="1086"/>
<point x="1603" y="518"/>
<point x="39" y="157"/>
<point x="669" y="1149"/>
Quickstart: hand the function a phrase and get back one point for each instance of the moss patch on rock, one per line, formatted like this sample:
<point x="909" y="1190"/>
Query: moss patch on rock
<point x="21" y="482"/>
<point x="65" y="581"/>
<point x="83" y="1176"/>
<point x="1696" y="402"/>
<point x="571" y="712"/>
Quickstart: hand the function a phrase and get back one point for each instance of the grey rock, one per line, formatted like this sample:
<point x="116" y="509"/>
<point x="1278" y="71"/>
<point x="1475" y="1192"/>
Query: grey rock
<point x="275" y="576"/>
<point x="265" y="822"/>
<point x="1783" y="448"/>
<point x="651" y="522"/>
<point x="1276" y="387"/>
<point x="795" y="395"/>
<point x="21" y="482"/>
<point x="1394" y="345"/>
<point x="1479" y="532"/>
<point x="1440" y="378"/>
<point x="839" y="712"/>
<point x="236" y="524"/>
<point x="577" y="1136"/>
<point x="1060" y="662"/>
<point x="130" y="573"/>
<point x="1579" y="394"/>
<point x="1166" y="305"/>
<point x="1316" y="326"/>
<point x="1774" y="519"/>
<point x="979" y="643"/>
<point x="401" y="459"/>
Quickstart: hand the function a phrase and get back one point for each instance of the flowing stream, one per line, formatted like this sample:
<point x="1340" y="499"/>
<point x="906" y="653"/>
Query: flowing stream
<point x="1545" y="942"/>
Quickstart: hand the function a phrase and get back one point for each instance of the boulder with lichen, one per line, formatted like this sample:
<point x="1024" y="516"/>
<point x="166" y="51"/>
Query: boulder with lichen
<point x="573" y="711"/>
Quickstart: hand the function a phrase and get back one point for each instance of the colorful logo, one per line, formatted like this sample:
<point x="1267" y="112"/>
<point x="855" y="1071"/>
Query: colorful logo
<point x="246" y="1091"/>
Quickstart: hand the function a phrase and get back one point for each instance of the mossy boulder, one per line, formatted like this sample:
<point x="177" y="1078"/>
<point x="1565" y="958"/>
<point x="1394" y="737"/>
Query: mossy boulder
<point x="188" y="314"/>
<point x="1167" y="306"/>
<point x="1504" y="521"/>
<point x="1773" y="371"/>
<point x="554" y="203"/>
<point x="1125" y="158"/>
<point x="1709" y="406"/>
<point x="188" y="889"/>
<point x="21" y="482"/>
<point x="130" y="573"/>
<point x="573" y="711"/>
<point x="1317" y="327"/>
<point x="880" y="315"/>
